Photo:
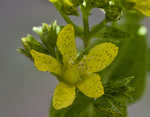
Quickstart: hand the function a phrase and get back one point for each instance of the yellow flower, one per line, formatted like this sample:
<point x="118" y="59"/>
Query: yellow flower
<point x="67" y="2"/>
<point x="81" y="75"/>
<point x="143" y="6"/>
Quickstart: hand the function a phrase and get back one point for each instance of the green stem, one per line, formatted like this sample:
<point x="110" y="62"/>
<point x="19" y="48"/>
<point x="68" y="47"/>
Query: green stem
<point x="86" y="42"/>
<point x="148" y="58"/>
<point x="67" y="19"/>
<point x="98" y="27"/>
<point x="85" y="14"/>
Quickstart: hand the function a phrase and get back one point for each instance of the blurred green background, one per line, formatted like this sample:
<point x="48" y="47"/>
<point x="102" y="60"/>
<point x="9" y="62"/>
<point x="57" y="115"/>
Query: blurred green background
<point x="24" y="91"/>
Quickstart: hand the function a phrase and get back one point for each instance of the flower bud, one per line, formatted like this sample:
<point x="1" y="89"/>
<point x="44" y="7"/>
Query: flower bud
<point x="67" y="6"/>
<point x="30" y="43"/>
<point x="97" y="3"/>
<point x="113" y="12"/>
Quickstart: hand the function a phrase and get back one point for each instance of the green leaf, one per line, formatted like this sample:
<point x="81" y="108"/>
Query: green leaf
<point x="112" y="32"/>
<point x="120" y="86"/>
<point x="112" y="106"/>
<point x="120" y="82"/>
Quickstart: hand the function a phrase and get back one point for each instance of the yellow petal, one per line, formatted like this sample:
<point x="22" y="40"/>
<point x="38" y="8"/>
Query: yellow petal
<point x="98" y="58"/>
<point x="91" y="86"/>
<point x="53" y="1"/>
<point x="66" y="43"/>
<point x="64" y="96"/>
<point x="143" y="6"/>
<point x="44" y="62"/>
<point x="67" y="2"/>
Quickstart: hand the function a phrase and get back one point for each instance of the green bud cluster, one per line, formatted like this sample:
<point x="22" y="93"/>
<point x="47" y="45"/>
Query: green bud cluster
<point x="113" y="12"/>
<point x="112" y="8"/>
<point x="48" y="36"/>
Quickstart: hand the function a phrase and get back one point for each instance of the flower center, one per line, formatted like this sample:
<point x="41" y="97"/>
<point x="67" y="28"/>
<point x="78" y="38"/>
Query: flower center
<point x="71" y="74"/>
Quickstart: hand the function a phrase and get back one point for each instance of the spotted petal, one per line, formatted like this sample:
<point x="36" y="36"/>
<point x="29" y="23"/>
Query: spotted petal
<point x="98" y="58"/>
<point x="44" y="62"/>
<point x="91" y="86"/>
<point x="64" y="96"/>
<point x="66" y="43"/>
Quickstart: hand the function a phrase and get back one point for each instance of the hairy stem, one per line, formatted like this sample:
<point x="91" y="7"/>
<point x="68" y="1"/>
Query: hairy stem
<point x="85" y="19"/>
<point x="68" y="20"/>
<point x="85" y="14"/>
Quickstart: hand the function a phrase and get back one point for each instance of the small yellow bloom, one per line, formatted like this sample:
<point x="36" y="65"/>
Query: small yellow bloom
<point x="80" y="75"/>
<point x="67" y="2"/>
<point x="143" y="6"/>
